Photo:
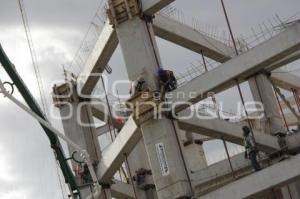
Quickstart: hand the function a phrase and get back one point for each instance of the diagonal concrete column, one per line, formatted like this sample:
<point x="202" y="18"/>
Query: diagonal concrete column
<point x="141" y="56"/>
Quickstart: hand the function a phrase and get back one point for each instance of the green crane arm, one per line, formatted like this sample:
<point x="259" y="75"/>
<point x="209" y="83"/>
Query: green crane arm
<point x="33" y="105"/>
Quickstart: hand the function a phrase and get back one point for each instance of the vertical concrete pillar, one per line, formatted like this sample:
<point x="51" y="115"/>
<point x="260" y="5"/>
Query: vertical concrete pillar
<point x="141" y="57"/>
<point x="138" y="159"/>
<point x="77" y="123"/>
<point x="193" y="152"/>
<point x="262" y="91"/>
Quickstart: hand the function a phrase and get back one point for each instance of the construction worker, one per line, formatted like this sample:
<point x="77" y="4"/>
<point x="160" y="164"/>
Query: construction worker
<point x="250" y="148"/>
<point x="167" y="80"/>
<point x="138" y="86"/>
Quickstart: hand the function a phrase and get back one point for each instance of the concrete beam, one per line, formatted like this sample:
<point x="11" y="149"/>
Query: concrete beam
<point x="150" y="7"/>
<point x="98" y="59"/>
<point x="113" y="156"/>
<point x="291" y="119"/>
<point x="231" y="132"/>
<point x="290" y="99"/>
<point x="260" y="182"/>
<point x="187" y="37"/>
<point x="289" y="59"/>
<point x="240" y="67"/>
<point x="100" y="111"/>
<point x="102" y="130"/>
<point x="122" y="190"/>
<point x="285" y="80"/>
<point x="292" y="142"/>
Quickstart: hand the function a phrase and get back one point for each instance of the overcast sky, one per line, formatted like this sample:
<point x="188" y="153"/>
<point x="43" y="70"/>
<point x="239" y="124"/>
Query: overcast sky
<point x="27" y="164"/>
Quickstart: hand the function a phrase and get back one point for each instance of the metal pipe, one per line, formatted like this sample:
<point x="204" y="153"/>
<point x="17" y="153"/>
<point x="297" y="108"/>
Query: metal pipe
<point x="45" y="123"/>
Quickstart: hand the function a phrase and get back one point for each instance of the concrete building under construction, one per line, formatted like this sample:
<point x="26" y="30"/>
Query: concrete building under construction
<point x="157" y="135"/>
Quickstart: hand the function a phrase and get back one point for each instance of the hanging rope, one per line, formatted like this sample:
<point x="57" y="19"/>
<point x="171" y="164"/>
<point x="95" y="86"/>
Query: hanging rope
<point x="229" y="27"/>
<point x="33" y="55"/>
